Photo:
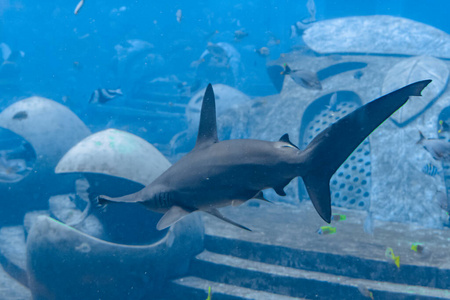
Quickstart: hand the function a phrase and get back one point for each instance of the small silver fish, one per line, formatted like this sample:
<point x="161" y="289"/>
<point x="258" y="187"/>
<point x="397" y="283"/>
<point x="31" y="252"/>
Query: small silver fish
<point x="179" y="15"/>
<point x="306" y="79"/>
<point x="263" y="51"/>
<point x="311" y="6"/>
<point x="79" y="5"/>
<point x="439" y="149"/>
<point x="240" y="34"/>
<point x="293" y="31"/>
<point x="430" y="169"/>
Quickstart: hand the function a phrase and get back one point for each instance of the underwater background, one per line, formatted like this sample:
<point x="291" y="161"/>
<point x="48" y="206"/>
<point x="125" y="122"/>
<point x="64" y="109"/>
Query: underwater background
<point x="102" y="97"/>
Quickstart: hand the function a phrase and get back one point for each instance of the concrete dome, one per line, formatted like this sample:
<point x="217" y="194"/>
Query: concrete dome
<point x="116" y="153"/>
<point x="50" y="127"/>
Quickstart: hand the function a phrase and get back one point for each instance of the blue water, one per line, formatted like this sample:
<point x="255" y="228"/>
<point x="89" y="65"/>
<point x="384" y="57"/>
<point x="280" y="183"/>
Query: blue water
<point x="66" y="57"/>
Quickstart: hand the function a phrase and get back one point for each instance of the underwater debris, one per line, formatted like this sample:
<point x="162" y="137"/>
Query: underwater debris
<point x="325" y="230"/>
<point x="439" y="149"/>
<point x="389" y="254"/>
<point x="78" y="7"/>
<point x="365" y="291"/>
<point x="83" y="248"/>
<point x="104" y="95"/>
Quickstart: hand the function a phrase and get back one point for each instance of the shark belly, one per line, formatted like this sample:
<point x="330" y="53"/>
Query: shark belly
<point x="229" y="171"/>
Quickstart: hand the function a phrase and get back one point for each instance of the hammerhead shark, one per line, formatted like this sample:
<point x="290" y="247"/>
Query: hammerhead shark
<point x="220" y="173"/>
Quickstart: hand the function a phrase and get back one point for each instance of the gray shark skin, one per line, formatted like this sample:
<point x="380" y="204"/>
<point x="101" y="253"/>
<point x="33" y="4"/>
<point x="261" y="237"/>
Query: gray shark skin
<point x="216" y="174"/>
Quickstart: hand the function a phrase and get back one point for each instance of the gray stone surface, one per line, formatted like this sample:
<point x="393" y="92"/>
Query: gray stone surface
<point x="116" y="153"/>
<point x="377" y="35"/>
<point x="13" y="257"/>
<point x="297" y="229"/>
<point x="64" y="209"/>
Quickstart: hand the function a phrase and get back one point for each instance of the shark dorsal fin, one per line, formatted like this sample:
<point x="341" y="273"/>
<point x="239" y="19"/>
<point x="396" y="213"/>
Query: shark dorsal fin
<point x="285" y="138"/>
<point x="207" y="130"/>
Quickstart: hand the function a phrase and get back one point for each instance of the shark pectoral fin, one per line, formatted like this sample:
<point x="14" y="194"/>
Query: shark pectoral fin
<point x="217" y="214"/>
<point x="260" y="196"/>
<point x="173" y="215"/>
<point x="318" y="188"/>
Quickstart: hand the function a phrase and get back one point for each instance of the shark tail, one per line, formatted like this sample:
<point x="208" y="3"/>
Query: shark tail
<point x="328" y="150"/>
<point x="421" y="139"/>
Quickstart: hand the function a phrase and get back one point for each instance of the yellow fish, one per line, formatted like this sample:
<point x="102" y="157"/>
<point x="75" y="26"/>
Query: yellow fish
<point x="365" y="291"/>
<point x="209" y="294"/>
<point x="338" y="217"/>
<point x="417" y="247"/>
<point x="326" y="230"/>
<point x="390" y="255"/>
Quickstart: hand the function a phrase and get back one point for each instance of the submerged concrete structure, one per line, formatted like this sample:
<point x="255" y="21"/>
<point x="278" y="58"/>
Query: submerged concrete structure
<point x="384" y="176"/>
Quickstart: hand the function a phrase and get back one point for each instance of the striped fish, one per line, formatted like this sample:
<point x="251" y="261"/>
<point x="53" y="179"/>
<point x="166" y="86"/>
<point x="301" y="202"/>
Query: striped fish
<point x="430" y="169"/>
<point x="104" y="95"/>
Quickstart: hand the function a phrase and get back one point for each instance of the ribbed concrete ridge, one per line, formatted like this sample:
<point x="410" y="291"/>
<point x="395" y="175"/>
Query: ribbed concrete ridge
<point x="300" y="283"/>
<point x="194" y="288"/>
<point x="285" y="256"/>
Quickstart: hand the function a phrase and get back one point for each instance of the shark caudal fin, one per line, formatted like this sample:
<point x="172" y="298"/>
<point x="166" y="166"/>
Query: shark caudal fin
<point x="328" y="150"/>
